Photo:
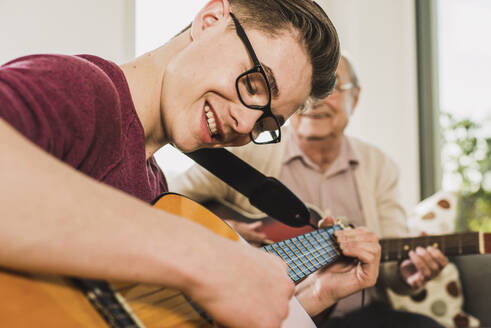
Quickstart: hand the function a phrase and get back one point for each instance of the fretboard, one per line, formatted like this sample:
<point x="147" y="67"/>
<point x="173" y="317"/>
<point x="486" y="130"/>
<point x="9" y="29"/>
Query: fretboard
<point x="451" y="245"/>
<point x="307" y="253"/>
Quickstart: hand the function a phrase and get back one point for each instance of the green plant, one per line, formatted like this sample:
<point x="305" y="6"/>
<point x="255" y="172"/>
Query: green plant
<point x="466" y="160"/>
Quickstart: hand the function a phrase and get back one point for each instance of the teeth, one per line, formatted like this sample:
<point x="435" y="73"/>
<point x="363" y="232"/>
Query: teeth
<point x="210" y="120"/>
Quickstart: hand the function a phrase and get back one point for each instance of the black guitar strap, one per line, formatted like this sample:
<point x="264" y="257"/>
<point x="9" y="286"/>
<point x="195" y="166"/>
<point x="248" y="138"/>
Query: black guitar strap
<point x="265" y="193"/>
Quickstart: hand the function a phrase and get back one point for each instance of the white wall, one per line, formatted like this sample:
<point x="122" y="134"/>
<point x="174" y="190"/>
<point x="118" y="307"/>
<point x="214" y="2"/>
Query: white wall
<point x="380" y="36"/>
<point x="169" y="18"/>
<point x="104" y="28"/>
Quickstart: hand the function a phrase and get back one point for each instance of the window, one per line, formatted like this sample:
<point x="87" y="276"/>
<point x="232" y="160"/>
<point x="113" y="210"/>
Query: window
<point x="455" y="103"/>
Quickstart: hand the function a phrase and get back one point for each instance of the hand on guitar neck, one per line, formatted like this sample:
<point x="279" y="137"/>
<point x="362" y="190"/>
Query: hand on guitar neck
<point x="420" y="257"/>
<point x="422" y="265"/>
<point x="320" y="288"/>
<point x="357" y="270"/>
<point x="251" y="232"/>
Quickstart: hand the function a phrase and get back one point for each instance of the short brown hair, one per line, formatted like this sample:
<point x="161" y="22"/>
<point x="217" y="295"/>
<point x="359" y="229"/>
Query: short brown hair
<point x="315" y="31"/>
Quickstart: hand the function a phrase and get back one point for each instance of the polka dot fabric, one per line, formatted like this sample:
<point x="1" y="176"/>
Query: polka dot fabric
<point x="442" y="297"/>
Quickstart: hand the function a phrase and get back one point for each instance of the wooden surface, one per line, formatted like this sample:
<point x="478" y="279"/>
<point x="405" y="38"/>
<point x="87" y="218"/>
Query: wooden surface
<point x="43" y="301"/>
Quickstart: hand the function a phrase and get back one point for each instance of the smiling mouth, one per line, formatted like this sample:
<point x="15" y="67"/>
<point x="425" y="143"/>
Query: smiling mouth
<point x="316" y="115"/>
<point x="211" y="120"/>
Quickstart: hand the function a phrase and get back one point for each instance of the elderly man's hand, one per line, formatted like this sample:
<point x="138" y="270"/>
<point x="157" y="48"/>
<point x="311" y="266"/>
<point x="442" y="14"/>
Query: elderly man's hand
<point x="422" y="265"/>
<point x="250" y="232"/>
<point x="325" y="287"/>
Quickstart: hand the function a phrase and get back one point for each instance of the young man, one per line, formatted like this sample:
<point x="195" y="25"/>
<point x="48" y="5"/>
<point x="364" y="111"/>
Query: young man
<point x="343" y="176"/>
<point x="89" y="117"/>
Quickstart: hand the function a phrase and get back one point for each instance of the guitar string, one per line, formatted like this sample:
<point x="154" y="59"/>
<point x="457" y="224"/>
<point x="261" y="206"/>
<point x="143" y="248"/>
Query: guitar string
<point x="310" y="250"/>
<point x="295" y="267"/>
<point x="428" y="241"/>
<point x="445" y="242"/>
<point x="322" y="262"/>
<point x="325" y="246"/>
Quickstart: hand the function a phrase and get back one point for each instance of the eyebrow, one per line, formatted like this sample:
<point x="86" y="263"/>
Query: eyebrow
<point x="272" y="81"/>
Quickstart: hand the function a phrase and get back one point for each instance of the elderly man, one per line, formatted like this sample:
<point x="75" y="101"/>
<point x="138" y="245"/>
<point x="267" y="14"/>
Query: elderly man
<point x="343" y="176"/>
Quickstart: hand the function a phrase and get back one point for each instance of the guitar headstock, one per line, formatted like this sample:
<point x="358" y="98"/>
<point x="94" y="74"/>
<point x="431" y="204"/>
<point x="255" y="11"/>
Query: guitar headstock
<point x="343" y="222"/>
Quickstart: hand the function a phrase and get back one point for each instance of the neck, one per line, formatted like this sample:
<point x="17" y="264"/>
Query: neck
<point x="322" y="151"/>
<point x="145" y="76"/>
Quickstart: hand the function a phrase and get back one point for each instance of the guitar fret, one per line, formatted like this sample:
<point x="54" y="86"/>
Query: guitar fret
<point x="296" y="258"/>
<point x="290" y="256"/>
<point x="291" y="265"/>
<point x="315" y="258"/>
<point x="311" y="239"/>
<point x="306" y="255"/>
<point x="315" y="251"/>
<point x="312" y="250"/>
<point x="270" y="249"/>
<point x="326" y="250"/>
<point x="329" y="240"/>
<point x="290" y="244"/>
<point x="452" y="245"/>
<point x="460" y="245"/>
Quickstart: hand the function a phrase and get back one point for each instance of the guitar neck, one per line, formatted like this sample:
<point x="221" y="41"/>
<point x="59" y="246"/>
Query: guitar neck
<point x="307" y="253"/>
<point x="466" y="243"/>
<point x="310" y="252"/>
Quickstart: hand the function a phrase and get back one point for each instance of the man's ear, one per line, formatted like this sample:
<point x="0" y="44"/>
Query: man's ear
<point x="212" y="13"/>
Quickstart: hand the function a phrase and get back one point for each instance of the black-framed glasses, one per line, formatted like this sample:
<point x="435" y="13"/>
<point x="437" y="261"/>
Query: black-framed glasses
<point x="255" y="92"/>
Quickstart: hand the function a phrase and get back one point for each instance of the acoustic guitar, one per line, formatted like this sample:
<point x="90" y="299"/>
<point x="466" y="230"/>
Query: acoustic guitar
<point x="35" y="300"/>
<point x="32" y="300"/>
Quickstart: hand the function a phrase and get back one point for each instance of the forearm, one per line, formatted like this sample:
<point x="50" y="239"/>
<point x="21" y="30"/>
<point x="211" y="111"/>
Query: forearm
<point x="57" y="220"/>
<point x="313" y="299"/>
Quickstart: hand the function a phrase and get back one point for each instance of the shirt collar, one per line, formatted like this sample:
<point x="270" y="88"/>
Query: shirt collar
<point x="347" y="157"/>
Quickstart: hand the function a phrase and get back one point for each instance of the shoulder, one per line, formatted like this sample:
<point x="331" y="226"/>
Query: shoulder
<point x="57" y="73"/>
<point x="265" y="158"/>
<point x="371" y="157"/>
<point x="367" y="150"/>
<point x="55" y="65"/>
<point x="62" y="82"/>
<point x="68" y="100"/>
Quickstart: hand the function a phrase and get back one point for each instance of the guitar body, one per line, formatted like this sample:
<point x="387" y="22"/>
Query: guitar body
<point x="50" y="301"/>
<point x="30" y="300"/>
<point x="273" y="229"/>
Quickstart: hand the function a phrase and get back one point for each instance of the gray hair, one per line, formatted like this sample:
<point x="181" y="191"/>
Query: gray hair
<point x="351" y="69"/>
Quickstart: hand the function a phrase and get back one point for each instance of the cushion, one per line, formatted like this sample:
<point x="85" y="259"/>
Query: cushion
<point x="441" y="298"/>
<point x="434" y="215"/>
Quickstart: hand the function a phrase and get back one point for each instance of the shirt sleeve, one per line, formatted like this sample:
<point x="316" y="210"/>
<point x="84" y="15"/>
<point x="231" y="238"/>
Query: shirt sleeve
<point x="59" y="103"/>
<point x="199" y="184"/>
<point x="392" y="222"/>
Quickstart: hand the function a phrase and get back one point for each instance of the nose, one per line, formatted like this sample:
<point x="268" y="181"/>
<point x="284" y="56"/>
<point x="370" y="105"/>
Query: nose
<point x="243" y="118"/>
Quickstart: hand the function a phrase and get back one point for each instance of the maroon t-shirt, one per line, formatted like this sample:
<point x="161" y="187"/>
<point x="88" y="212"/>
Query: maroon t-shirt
<point x="79" y="109"/>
